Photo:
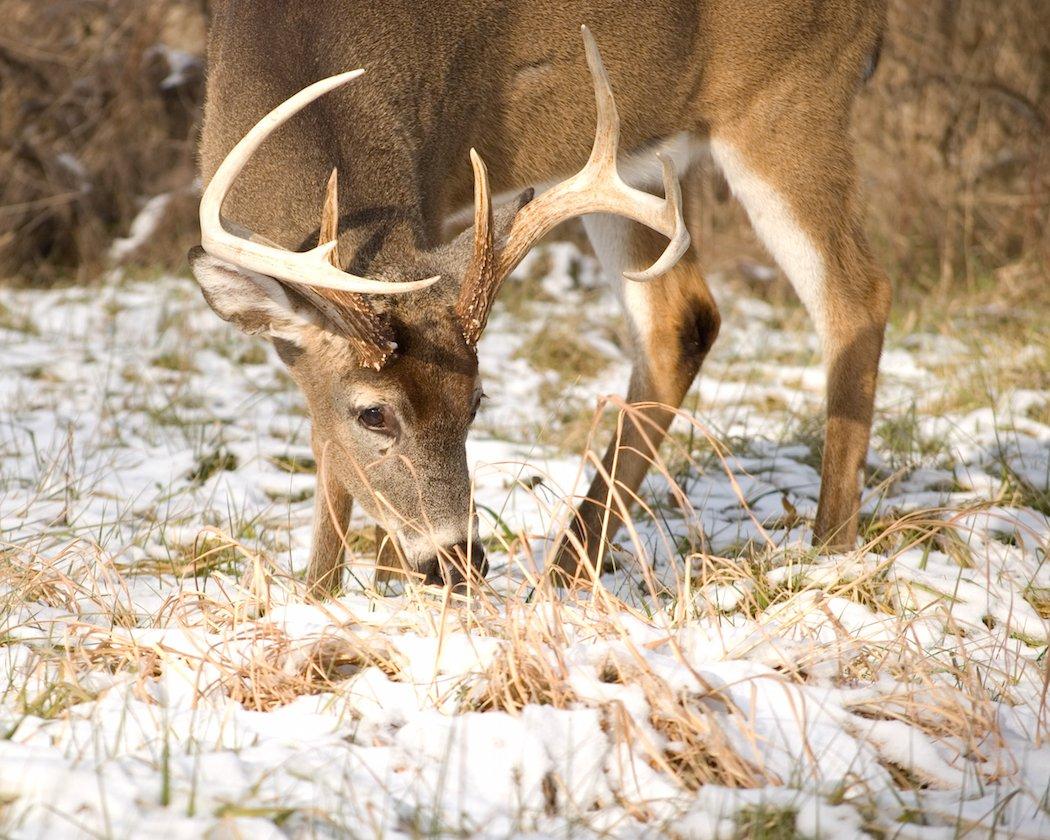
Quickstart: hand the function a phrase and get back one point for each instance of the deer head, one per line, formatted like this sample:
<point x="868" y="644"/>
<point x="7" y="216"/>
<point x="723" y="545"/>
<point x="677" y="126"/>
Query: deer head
<point x="389" y="366"/>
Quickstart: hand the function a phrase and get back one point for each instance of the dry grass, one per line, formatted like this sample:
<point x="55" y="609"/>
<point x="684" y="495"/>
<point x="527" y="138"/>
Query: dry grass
<point x="951" y="144"/>
<point x="93" y="122"/>
<point x="952" y="141"/>
<point x="261" y="667"/>
<point x="956" y="222"/>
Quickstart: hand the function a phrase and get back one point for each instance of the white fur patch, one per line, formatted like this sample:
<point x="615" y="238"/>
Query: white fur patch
<point x="778" y="229"/>
<point x="635" y="297"/>
<point x="642" y="169"/>
<point x="609" y="235"/>
<point x="365" y="396"/>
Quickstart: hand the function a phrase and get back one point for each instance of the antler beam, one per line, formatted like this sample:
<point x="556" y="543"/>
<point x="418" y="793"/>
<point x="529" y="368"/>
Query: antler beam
<point x="309" y="268"/>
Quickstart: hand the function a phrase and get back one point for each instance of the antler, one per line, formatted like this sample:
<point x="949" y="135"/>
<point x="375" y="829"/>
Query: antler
<point x="352" y="313"/>
<point x="310" y="268"/>
<point x="597" y="188"/>
<point x="329" y="231"/>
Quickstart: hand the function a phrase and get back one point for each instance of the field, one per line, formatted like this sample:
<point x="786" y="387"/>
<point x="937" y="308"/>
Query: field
<point x="163" y="674"/>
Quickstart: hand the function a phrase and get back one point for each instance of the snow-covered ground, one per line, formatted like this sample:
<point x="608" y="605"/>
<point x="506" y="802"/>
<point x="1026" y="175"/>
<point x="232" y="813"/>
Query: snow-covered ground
<point x="163" y="675"/>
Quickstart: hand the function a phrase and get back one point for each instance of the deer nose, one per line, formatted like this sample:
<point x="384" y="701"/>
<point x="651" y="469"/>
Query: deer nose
<point x="454" y="564"/>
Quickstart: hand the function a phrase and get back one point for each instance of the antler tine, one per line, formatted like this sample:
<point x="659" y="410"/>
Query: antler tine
<point x="607" y="126"/>
<point x="311" y="268"/>
<point x="482" y="203"/>
<point x="602" y="163"/>
<point x="330" y="217"/>
<point x="351" y="313"/>
<point x="479" y="284"/>
<point x="679" y="236"/>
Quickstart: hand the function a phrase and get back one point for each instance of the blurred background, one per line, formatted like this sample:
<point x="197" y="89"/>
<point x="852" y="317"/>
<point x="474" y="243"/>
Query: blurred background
<point x="100" y="106"/>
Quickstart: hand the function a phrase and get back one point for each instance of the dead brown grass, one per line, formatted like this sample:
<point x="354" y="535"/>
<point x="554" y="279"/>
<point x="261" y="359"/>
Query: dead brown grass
<point x="953" y="141"/>
<point x="94" y="120"/>
<point x="285" y="670"/>
<point x="233" y="650"/>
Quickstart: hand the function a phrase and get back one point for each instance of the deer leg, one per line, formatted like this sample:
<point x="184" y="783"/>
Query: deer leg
<point x="852" y="349"/>
<point x="796" y="181"/>
<point x="674" y="321"/>
<point x="331" y="518"/>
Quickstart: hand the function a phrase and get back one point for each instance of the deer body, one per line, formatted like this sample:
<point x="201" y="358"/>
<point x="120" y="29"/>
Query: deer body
<point x="768" y="86"/>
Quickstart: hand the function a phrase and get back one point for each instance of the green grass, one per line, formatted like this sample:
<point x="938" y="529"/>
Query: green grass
<point x="54" y="700"/>
<point x="206" y="556"/>
<point x="764" y="822"/>
<point x="903" y="440"/>
<point x="1039" y="598"/>
<point x="175" y="360"/>
<point x="890" y="533"/>
<point x="296" y="465"/>
<point x="253" y="354"/>
<point x="217" y="460"/>
<point x="1018" y="492"/>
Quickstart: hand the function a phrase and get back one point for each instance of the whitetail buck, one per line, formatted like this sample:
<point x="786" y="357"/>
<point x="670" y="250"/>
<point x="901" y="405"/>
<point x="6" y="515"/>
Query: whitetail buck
<point x="379" y="325"/>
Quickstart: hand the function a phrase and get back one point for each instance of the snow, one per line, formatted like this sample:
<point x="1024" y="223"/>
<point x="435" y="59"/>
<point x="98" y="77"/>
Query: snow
<point x="143" y="226"/>
<point x="164" y="676"/>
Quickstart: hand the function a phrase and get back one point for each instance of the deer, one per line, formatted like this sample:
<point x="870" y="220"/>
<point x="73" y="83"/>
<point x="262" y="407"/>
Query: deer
<point x="372" y="113"/>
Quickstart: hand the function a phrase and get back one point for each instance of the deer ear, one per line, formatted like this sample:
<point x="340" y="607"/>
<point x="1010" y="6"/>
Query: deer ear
<point x="256" y="304"/>
<point x="503" y="216"/>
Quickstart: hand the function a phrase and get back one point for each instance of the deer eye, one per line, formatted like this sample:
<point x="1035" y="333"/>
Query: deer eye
<point x="378" y="418"/>
<point x="477" y="405"/>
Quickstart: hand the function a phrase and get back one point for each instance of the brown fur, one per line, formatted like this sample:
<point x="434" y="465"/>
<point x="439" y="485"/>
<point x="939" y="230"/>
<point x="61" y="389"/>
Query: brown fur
<point x="776" y="80"/>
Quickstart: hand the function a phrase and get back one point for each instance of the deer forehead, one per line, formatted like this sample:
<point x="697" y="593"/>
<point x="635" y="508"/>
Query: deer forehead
<point x="426" y="387"/>
<point x="437" y="392"/>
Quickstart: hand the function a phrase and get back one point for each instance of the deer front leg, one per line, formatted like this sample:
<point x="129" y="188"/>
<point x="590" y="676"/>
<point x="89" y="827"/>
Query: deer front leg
<point x="674" y="321"/>
<point x="331" y="518"/>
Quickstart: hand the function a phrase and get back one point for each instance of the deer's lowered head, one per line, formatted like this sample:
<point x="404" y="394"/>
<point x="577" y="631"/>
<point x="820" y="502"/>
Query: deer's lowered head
<point x="389" y="366"/>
